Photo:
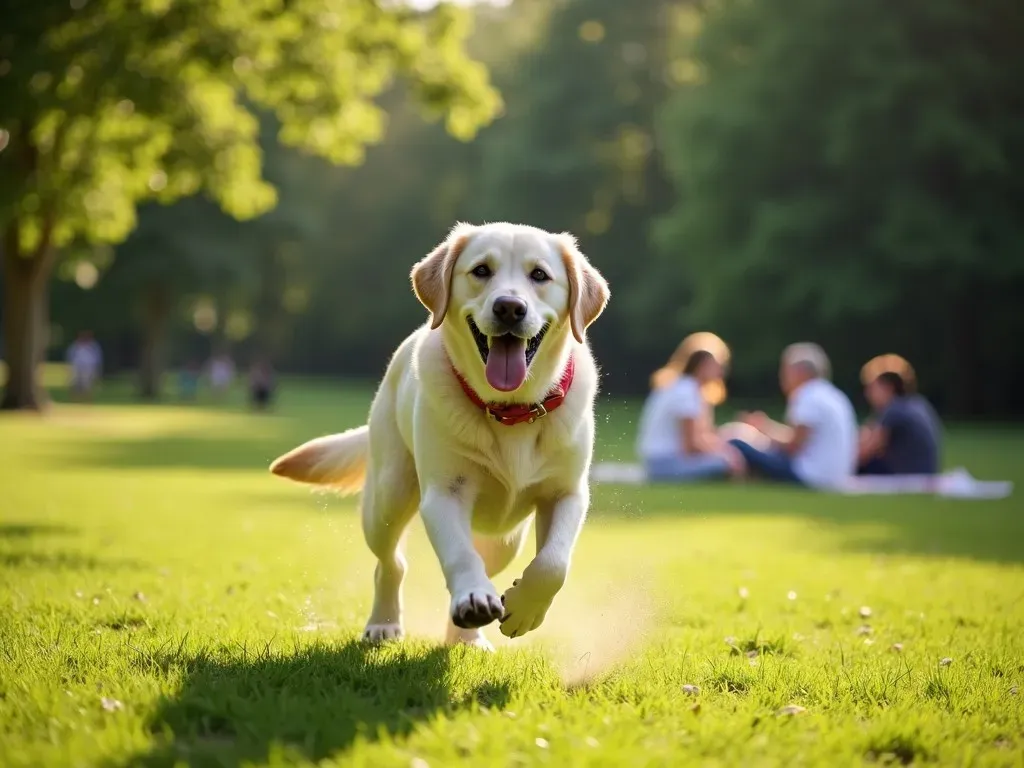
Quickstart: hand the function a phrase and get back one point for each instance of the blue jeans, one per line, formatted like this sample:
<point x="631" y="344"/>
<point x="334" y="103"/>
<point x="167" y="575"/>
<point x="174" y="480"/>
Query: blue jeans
<point x="773" y="464"/>
<point x="680" y="469"/>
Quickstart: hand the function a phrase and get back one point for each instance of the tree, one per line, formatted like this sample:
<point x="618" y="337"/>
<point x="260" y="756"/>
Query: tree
<point x="105" y="105"/>
<point x="577" y="151"/>
<point x="848" y="171"/>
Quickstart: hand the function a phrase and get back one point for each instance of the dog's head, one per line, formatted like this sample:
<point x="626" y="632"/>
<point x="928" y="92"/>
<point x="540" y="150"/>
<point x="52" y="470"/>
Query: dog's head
<point x="507" y="295"/>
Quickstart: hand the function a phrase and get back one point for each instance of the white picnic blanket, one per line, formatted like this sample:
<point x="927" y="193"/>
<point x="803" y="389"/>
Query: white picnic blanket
<point x="956" y="483"/>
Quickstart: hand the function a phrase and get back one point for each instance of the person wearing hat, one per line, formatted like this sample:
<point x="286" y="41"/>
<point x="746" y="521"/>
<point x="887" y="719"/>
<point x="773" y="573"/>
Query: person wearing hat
<point x="906" y="435"/>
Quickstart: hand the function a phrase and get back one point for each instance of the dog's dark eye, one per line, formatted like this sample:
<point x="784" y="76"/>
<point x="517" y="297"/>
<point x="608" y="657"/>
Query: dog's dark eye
<point x="482" y="271"/>
<point x="539" y="276"/>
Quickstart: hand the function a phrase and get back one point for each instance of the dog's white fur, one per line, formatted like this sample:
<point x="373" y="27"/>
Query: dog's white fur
<point x="476" y="483"/>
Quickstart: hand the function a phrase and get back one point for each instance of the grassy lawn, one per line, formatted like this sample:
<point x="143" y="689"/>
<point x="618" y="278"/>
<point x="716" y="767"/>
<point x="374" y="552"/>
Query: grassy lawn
<point x="164" y="600"/>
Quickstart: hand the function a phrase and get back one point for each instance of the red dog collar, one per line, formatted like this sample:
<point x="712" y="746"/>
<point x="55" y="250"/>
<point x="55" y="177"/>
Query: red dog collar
<point x="511" y="414"/>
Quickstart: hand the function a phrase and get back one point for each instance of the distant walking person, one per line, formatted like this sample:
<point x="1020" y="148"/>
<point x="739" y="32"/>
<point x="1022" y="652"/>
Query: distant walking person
<point x="817" y="446"/>
<point x="906" y="436"/>
<point x="261" y="384"/>
<point x="222" y="374"/>
<point x="86" y="360"/>
<point x="188" y="380"/>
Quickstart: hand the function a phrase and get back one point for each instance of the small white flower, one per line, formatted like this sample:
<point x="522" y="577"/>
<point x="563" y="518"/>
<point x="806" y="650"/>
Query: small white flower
<point x="591" y="742"/>
<point x="111" y="705"/>
<point x="791" y="594"/>
<point x="542" y="743"/>
<point x="865" y="611"/>
<point x="945" y="662"/>
<point x="863" y="629"/>
<point x="692" y="690"/>
<point x="896" y="647"/>
<point x="418" y="762"/>
<point x="744" y="593"/>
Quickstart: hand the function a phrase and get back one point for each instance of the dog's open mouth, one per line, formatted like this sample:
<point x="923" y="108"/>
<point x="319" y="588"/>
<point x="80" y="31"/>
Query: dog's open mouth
<point x="507" y="357"/>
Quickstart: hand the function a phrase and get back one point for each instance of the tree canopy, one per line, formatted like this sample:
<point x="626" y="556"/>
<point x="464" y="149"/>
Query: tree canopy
<point x="851" y="174"/>
<point x="105" y="105"/>
<point x="771" y="170"/>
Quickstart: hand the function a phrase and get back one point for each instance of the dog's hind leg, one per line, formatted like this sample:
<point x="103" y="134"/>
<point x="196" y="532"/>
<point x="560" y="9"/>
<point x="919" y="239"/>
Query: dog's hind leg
<point x="497" y="552"/>
<point x="389" y="503"/>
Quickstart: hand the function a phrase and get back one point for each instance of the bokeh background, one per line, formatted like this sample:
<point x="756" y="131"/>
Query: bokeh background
<point x="193" y="175"/>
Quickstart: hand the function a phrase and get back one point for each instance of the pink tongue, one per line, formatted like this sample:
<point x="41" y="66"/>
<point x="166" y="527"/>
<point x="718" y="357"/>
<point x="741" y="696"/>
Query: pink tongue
<point x="506" y="363"/>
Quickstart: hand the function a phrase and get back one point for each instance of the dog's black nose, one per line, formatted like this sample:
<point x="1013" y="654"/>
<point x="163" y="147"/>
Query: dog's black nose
<point x="509" y="310"/>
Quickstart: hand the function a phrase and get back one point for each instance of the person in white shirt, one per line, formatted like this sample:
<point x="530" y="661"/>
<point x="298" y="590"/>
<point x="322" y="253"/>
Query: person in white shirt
<point x="86" y="360"/>
<point x="677" y="439"/>
<point x="817" y="446"/>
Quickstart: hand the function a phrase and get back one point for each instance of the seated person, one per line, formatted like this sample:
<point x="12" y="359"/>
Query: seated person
<point x="817" y="446"/>
<point x="905" y="439"/>
<point x="677" y="439"/>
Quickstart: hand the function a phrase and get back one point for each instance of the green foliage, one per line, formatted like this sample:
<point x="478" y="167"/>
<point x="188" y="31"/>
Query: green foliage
<point x="852" y="163"/>
<point x="770" y="170"/>
<point x="576" y="150"/>
<point x="109" y="104"/>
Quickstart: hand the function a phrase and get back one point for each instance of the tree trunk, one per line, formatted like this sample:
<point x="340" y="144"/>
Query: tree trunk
<point x="151" y="365"/>
<point x="26" y="281"/>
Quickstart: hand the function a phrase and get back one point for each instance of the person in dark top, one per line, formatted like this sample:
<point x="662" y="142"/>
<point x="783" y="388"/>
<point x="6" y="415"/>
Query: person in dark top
<point x="261" y="384"/>
<point x="905" y="439"/>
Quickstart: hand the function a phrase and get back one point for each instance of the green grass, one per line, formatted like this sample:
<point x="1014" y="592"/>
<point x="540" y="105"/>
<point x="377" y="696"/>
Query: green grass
<point x="163" y="599"/>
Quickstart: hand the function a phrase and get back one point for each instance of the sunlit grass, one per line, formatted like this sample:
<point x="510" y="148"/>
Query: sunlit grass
<point x="163" y="599"/>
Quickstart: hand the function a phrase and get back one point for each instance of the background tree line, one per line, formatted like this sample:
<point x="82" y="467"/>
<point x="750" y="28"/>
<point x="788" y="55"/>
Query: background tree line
<point x="772" y="170"/>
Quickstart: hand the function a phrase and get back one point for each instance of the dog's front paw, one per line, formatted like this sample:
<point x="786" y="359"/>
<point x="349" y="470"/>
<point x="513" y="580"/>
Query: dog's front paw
<point x="525" y="608"/>
<point x="382" y="633"/>
<point x="476" y="608"/>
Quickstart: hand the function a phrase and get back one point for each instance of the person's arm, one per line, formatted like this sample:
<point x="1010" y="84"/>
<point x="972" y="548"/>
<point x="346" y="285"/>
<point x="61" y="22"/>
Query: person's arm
<point x="794" y="439"/>
<point x="775" y="431"/>
<point x="695" y="439"/>
<point x="874" y="439"/>
<point x="801" y="417"/>
<point x="688" y="434"/>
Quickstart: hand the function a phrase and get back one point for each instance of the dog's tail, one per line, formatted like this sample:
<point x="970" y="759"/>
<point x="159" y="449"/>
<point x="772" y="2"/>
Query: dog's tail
<point x="337" y="461"/>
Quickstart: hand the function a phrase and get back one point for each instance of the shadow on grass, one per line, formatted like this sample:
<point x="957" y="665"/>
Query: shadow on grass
<point x="312" y="704"/>
<point x="16" y="539"/>
<point x="64" y="561"/>
<point x="176" y="452"/>
<point x="23" y="531"/>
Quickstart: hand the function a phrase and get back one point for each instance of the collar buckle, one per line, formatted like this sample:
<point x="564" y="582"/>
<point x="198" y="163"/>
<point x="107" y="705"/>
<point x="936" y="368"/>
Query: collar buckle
<point x="537" y="412"/>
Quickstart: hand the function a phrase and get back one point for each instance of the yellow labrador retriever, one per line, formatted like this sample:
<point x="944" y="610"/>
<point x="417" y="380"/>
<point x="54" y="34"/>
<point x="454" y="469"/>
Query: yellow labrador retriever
<point x="484" y="419"/>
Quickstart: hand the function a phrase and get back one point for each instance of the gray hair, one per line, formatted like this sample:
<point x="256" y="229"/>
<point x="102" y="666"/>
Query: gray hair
<point x="808" y="356"/>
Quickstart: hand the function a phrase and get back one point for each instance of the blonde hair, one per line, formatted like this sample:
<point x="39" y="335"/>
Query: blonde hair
<point x="889" y="363"/>
<point x="714" y="392"/>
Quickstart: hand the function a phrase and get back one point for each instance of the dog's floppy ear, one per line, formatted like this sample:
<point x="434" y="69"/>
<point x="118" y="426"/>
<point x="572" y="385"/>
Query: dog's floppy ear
<point x="432" y="276"/>
<point x="588" y="290"/>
